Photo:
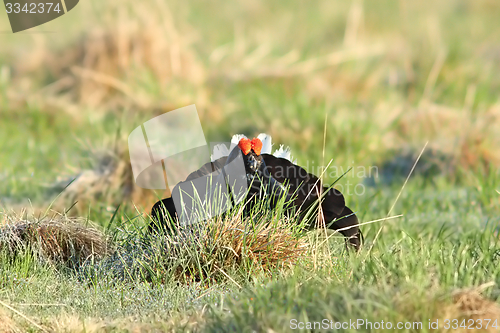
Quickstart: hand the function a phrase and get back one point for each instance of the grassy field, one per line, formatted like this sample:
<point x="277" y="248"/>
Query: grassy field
<point x="365" y="85"/>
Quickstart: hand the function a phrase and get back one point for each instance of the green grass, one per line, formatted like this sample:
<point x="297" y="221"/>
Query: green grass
<point x="242" y="63"/>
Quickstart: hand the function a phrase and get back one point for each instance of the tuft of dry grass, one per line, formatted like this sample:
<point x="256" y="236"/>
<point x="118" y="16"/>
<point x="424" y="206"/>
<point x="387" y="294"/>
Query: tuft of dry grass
<point x="267" y="246"/>
<point x="222" y="249"/>
<point x="58" y="239"/>
<point x="461" y="305"/>
<point x="470" y="304"/>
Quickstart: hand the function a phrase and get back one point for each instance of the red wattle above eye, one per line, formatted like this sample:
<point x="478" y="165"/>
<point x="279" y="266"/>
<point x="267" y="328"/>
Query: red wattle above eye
<point x="245" y="145"/>
<point x="256" y="145"/>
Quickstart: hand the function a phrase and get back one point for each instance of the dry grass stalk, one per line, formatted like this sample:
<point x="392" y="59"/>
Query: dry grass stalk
<point x="58" y="239"/>
<point x="22" y="315"/>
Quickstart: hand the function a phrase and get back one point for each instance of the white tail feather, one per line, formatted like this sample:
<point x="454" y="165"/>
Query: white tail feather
<point x="235" y="140"/>
<point x="221" y="150"/>
<point x="266" y="143"/>
<point x="285" y="153"/>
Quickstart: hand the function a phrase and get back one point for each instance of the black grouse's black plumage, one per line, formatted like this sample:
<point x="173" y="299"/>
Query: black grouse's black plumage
<point x="282" y="177"/>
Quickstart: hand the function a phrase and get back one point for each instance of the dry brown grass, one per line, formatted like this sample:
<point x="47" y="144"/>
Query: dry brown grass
<point x="109" y="66"/>
<point x="140" y="56"/>
<point x="7" y="325"/>
<point x="470" y="304"/>
<point x="58" y="239"/>
<point x="266" y="246"/>
<point x="73" y="324"/>
<point x="470" y="141"/>
<point x="108" y="183"/>
<point x="461" y="304"/>
<point x="458" y="140"/>
<point x="223" y="249"/>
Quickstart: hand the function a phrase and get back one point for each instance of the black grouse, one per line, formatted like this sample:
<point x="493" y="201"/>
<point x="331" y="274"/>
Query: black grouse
<point x="276" y="175"/>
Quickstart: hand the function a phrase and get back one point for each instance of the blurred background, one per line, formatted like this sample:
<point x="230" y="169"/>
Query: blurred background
<point x="362" y="83"/>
